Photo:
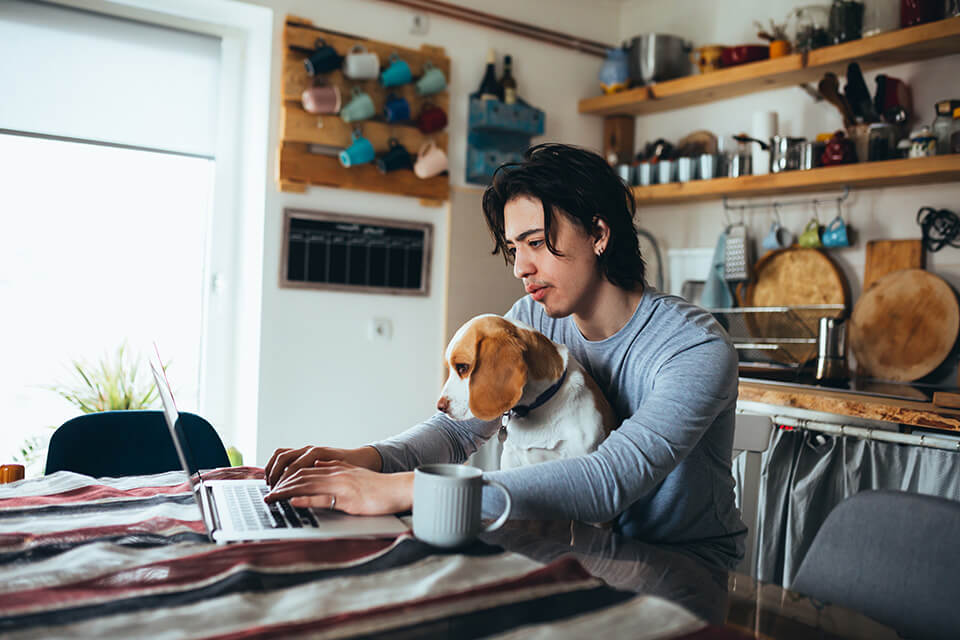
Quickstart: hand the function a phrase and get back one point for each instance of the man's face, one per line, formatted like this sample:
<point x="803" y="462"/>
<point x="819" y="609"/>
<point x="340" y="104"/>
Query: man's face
<point x="562" y="284"/>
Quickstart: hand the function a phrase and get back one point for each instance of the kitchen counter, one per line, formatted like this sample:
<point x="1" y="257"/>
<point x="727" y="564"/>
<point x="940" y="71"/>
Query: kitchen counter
<point x="851" y="403"/>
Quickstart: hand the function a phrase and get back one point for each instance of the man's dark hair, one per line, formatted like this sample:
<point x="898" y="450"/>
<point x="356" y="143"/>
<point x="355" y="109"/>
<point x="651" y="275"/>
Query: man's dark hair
<point x="580" y="184"/>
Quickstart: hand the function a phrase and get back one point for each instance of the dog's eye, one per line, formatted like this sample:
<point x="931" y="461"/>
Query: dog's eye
<point x="461" y="369"/>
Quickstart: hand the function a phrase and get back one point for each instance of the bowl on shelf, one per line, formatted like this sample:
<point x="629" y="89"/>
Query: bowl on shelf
<point x="744" y="53"/>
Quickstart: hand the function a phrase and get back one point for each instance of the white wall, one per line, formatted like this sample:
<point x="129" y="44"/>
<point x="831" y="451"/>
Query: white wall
<point x="873" y="213"/>
<point x="321" y="380"/>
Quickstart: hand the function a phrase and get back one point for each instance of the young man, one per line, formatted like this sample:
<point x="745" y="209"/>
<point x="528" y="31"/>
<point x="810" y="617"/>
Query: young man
<point x="565" y="221"/>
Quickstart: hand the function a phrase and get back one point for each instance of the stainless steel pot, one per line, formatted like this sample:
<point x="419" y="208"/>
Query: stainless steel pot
<point x="785" y="153"/>
<point x="810" y="153"/>
<point x="655" y="57"/>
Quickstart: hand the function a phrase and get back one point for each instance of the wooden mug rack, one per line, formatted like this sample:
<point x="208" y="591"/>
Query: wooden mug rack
<point x="309" y="142"/>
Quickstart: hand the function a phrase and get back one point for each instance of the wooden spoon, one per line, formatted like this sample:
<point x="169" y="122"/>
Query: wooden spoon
<point x="829" y="87"/>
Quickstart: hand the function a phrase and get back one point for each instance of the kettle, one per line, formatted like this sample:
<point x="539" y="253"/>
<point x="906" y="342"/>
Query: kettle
<point x="831" y="350"/>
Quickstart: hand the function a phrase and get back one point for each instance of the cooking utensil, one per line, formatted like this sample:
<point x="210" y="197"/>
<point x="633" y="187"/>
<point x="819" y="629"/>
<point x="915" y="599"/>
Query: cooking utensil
<point x="904" y="325"/>
<point x="658" y="57"/>
<point x="831" y="350"/>
<point x="829" y="87"/>
<point x="744" y="138"/>
<point x="886" y="256"/>
<point x="858" y="95"/>
<point x="810" y="153"/>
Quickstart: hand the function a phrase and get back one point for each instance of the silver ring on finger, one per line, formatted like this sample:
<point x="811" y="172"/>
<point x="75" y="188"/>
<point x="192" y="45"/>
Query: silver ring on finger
<point x="333" y="502"/>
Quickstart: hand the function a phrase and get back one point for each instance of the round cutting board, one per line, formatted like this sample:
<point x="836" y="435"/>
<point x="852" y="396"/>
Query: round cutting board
<point x="795" y="276"/>
<point x="789" y="278"/>
<point x="904" y="325"/>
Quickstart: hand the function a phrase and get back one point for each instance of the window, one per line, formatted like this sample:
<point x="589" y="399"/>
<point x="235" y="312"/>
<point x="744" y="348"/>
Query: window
<point x="115" y="219"/>
<point x="99" y="247"/>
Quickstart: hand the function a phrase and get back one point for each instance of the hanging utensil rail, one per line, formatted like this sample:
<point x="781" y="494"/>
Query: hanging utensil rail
<point x="776" y="204"/>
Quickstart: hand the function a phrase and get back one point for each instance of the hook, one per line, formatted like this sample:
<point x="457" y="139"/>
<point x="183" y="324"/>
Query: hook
<point x="816" y="212"/>
<point x="776" y="213"/>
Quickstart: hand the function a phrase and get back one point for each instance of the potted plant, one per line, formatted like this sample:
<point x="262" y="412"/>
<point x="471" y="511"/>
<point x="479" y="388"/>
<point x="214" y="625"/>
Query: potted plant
<point x="776" y="35"/>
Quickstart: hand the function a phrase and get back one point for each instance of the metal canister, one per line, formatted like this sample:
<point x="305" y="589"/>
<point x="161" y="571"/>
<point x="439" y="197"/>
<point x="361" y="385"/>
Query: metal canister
<point x="831" y="350"/>
<point x="810" y="153"/>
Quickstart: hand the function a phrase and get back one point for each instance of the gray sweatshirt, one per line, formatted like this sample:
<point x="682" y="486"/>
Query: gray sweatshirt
<point x="663" y="475"/>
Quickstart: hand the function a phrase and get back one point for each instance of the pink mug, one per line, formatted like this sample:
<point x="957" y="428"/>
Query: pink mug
<point x="321" y="99"/>
<point x="431" y="160"/>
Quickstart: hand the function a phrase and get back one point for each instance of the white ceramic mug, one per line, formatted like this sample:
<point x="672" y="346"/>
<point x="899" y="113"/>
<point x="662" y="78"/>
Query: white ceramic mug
<point x="446" y="504"/>
<point x="431" y="160"/>
<point x="360" y="64"/>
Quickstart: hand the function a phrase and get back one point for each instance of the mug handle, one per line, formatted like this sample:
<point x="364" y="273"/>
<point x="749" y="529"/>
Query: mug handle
<point x="358" y="48"/>
<point x="319" y="42"/>
<point x="426" y="146"/>
<point x="496" y="524"/>
<point x="835" y="223"/>
<point x="813" y="224"/>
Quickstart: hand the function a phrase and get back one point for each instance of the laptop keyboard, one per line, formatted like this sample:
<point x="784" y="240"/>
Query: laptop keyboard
<point x="251" y="513"/>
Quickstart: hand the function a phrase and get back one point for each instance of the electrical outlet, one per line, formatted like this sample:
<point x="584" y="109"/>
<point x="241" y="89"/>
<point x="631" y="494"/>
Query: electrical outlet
<point x="419" y="24"/>
<point x="380" y="329"/>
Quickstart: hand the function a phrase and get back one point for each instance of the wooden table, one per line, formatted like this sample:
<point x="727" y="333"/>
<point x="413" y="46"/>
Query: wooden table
<point x="129" y="557"/>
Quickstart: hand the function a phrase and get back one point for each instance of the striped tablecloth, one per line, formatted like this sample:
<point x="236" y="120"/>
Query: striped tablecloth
<point x="128" y="558"/>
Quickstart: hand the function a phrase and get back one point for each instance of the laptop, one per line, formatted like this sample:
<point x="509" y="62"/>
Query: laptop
<point x="234" y="510"/>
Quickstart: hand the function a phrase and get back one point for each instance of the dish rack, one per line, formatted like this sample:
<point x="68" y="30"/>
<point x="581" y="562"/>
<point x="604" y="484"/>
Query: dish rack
<point x="776" y="337"/>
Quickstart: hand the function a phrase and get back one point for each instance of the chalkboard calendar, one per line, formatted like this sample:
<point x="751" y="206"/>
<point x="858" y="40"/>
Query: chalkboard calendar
<point x="354" y="253"/>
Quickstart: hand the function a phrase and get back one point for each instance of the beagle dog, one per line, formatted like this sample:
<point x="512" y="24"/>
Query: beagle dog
<point x="548" y="405"/>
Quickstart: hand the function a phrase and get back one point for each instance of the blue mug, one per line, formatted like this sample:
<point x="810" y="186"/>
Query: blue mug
<point x="359" y="152"/>
<point x="396" y="109"/>
<point x="397" y="73"/>
<point x="835" y="233"/>
<point x="779" y="237"/>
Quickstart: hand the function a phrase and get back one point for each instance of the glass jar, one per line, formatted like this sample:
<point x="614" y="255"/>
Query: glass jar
<point x="846" y="20"/>
<point x="955" y="132"/>
<point x="812" y="27"/>
<point x="943" y="123"/>
<point x="880" y="16"/>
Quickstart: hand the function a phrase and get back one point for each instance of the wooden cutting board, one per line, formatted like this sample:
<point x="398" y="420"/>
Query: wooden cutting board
<point x="904" y="325"/>
<point x="886" y="256"/>
<point x="788" y="278"/>
<point x="795" y="276"/>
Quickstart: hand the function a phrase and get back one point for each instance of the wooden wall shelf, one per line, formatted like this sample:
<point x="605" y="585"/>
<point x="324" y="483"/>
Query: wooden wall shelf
<point x="911" y="171"/>
<point x="922" y="42"/>
<point x="299" y="167"/>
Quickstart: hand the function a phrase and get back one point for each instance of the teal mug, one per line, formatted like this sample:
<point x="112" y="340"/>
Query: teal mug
<point x="360" y="151"/>
<point x="835" y="234"/>
<point x="397" y="73"/>
<point x="360" y="106"/>
<point x="432" y="81"/>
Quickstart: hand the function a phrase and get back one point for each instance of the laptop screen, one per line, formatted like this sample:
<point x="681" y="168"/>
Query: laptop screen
<point x="181" y="440"/>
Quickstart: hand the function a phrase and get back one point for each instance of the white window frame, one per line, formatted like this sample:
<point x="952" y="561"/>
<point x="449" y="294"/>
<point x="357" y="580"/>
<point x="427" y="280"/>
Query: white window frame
<point x="230" y="359"/>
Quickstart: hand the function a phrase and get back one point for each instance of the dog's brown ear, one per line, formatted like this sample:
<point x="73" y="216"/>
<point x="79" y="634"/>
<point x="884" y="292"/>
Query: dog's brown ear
<point x="541" y="355"/>
<point x="498" y="376"/>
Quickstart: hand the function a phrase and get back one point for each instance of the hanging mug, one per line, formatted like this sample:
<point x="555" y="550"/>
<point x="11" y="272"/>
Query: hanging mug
<point x="323" y="59"/>
<point x="431" y="119"/>
<point x="396" y="109"/>
<point x="432" y="81"/>
<point x="361" y="64"/>
<point x="779" y="237"/>
<point x="360" y="151"/>
<point x="396" y="158"/>
<point x="321" y="99"/>
<point x="835" y="233"/>
<point x="397" y="73"/>
<point x="810" y="238"/>
<point x="360" y="106"/>
<point x="431" y="160"/>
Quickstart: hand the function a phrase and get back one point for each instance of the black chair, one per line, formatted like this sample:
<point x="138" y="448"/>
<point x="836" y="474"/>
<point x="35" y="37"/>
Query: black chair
<point x="893" y="556"/>
<point x="127" y="443"/>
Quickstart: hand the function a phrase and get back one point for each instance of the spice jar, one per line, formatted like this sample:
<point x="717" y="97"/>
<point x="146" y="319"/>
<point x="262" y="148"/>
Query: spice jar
<point x="11" y="473"/>
<point x="955" y="132"/>
<point x="922" y="143"/>
<point x="943" y="123"/>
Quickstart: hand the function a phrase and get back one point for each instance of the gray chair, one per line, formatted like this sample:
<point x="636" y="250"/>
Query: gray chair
<point x="893" y="556"/>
